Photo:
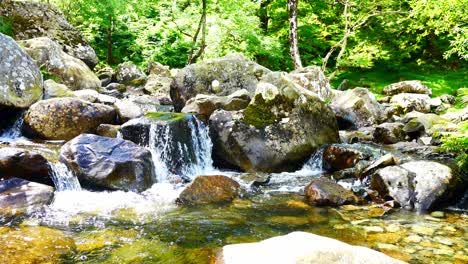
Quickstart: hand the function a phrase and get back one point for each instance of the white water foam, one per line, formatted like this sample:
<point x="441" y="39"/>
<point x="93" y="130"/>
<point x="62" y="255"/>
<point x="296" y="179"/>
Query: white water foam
<point x="63" y="177"/>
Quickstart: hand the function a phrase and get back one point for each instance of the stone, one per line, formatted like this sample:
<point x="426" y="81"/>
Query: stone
<point x="422" y="230"/>
<point x="18" y="196"/>
<point x="427" y="124"/>
<point x="412" y="102"/>
<point x="323" y="191"/>
<point x="158" y="84"/>
<point x="32" y="20"/>
<point x="365" y="134"/>
<point x="208" y="190"/>
<point x="110" y="163"/>
<point x="222" y="76"/>
<point x="438" y="214"/>
<point x="448" y="99"/>
<point x="337" y="157"/>
<point x="87" y="95"/>
<point x="416" y="87"/>
<point x="25" y="164"/>
<point x="129" y="74"/>
<point x="381" y="162"/>
<point x="65" y="118"/>
<point x="106" y="76"/>
<point x="107" y="130"/>
<point x="116" y="86"/>
<point x="280" y="129"/>
<point x="313" y="79"/>
<point x="373" y="229"/>
<point x="413" y="239"/>
<point x="301" y="247"/>
<point x="21" y="81"/>
<point x="56" y="90"/>
<point x="127" y="110"/>
<point x="389" y="133"/>
<point x="357" y="108"/>
<point x="71" y="71"/>
<point x="158" y="69"/>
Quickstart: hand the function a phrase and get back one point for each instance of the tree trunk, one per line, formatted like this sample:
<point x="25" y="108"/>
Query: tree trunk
<point x="201" y="27"/>
<point x="263" y="15"/>
<point x="293" y="47"/>
<point x="110" y="58"/>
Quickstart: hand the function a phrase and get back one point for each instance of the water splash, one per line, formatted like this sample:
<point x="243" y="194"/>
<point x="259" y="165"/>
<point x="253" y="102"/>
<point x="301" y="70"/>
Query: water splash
<point x="63" y="178"/>
<point x="314" y="165"/>
<point x="13" y="133"/>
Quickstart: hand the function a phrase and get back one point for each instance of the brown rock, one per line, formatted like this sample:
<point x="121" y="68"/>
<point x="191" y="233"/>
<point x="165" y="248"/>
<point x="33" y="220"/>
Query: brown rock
<point x="209" y="189"/>
<point x="337" y="158"/>
<point x="322" y="191"/>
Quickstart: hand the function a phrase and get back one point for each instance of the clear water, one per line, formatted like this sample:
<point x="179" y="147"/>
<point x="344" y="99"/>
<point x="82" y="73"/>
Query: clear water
<point x="63" y="177"/>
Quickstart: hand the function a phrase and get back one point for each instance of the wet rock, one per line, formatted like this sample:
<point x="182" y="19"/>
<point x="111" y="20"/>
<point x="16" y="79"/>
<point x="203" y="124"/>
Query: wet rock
<point x="220" y="77"/>
<point x="107" y="130"/>
<point x="56" y="90"/>
<point x="364" y="134"/>
<point x="278" y="131"/>
<point x="109" y="163"/>
<point x="65" y="118"/>
<point x="301" y="248"/>
<point x="415" y="87"/>
<point x="357" y="108"/>
<point x="313" y="79"/>
<point x="389" y="133"/>
<point x="412" y="102"/>
<point x="323" y="191"/>
<point x="337" y="157"/>
<point x="128" y="73"/>
<point x="32" y="20"/>
<point x="208" y="190"/>
<point x="384" y="161"/>
<point x="127" y="110"/>
<point x="21" y="81"/>
<point x="204" y="105"/>
<point x="28" y="165"/>
<point x="18" y="196"/>
<point x="71" y="71"/>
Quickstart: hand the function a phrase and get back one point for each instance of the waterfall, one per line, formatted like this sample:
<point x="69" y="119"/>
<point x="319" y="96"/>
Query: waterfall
<point x="63" y="177"/>
<point x="314" y="164"/>
<point x="174" y="154"/>
<point x="14" y="131"/>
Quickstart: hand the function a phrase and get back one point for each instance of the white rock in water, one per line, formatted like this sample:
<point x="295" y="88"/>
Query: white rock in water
<point x="301" y="247"/>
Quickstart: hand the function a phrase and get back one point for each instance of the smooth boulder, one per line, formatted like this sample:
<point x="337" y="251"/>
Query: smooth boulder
<point x="209" y="190"/>
<point x="323" y="191"/>
<point x="222" y="77"/>
<point x="278" y="131"/>
<point x="416" y="87"/>
<point x="110" y="163"/>
<point x="21" y="81"/>
<point x="65" y="118"/>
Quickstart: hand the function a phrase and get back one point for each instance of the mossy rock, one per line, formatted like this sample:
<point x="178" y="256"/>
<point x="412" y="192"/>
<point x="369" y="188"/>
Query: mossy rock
<point x="166" y="116"/>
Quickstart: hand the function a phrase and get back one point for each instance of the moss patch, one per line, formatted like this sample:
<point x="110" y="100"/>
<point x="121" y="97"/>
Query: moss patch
<point x="166" y="116"/>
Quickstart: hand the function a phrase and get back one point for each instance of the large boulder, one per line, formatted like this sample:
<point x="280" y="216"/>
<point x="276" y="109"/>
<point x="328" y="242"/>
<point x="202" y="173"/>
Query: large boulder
<point x="18" y="196"/>
<point x="71" y="71"/>
<point x="221" y="76"/>
<point x="357" y="108"/>
<point x="21" y="81"/>
<point x="421" y="185"/>
<point x="32" y="20"/>
<point x="204" y="105"/>
<point x="416" y="87"/>
<point x="208" y="190"/>
<point x="279" y="130"/>
<point x="301" y="247"/>
<point x="110" y="163"/>
<point x="313" y="79"/>
<point x="65" y="118"/>
<point x="25" y="164"/>
<point x="129" y="74"/>
<point x="54" y="90"/>
<point x="323" y="191"/>
<point x="158" y="84"/>
<point x="412" y="102"/>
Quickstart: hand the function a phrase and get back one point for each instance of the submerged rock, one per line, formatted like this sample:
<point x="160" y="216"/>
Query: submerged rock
<point x="110" y="163"/>
<point x="323" y="191"/>
<point x="278" y="131"/>
<point x="416" y="87"/>
<point x="65" y="118"/>
<point x="18" y="196"/>
<point x="28" y="165"/>
<point x="222" y="76"/>
<point x="21" y="81"/>
<point x="301" y="247"/>
<point x="208" y="190"/>
<point x="71" y="71"/>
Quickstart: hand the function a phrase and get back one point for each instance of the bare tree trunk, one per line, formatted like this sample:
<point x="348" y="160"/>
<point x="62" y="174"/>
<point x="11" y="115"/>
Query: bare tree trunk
<point x="293" y="46"/>
<point x="201" y="28"/>
<point x="110" y="58"/>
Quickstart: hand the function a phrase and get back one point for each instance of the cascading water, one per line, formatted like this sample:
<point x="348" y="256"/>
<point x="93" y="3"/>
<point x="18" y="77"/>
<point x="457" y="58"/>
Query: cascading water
<point x="63" y="178"/>
<point x="314" y="164"/>
<point x="13" y="132"/>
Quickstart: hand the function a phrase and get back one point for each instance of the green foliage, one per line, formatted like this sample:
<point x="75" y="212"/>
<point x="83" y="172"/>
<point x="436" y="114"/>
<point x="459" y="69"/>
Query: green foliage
<point x="458" y="143"/>
<point x="5" y="26"/>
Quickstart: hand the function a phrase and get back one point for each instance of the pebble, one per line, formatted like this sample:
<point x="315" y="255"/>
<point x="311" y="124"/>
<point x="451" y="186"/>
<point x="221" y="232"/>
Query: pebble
<point x="448" y="252"/>
<point x="423" y="230"/>
<point x="413" y="239"/>
<point x="438" y="214"/>
<point x="443" y="240"/>
<point x="373" y="229"/>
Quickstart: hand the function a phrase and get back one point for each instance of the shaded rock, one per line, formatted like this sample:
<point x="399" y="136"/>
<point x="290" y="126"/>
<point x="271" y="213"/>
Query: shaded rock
<point x="32" y="20"/>
<point x="221" y="77"/>
<point x="110" y="163"/>
<point x="364" y="134"/>
<point x="28" y="165"/>
<point x="313" y="79"/>
<point x="19" y="196"/>
<point x="415" y="87"/>
<point x="337" y="158"/>
<point x="71" y="71"/>
<point x="106" y="76"/>
<point x="127" y="110"/>
<point x="412" y="102"/>
<point x="389" y="133"/>
<point x="56" y="90"/>
<point x="301" y="247"/>
<point x="65" y="118"/>
<point x="116" y="86"/>
<point x="209" y="189"/>
<point x="357" y="108"/>
<point x="322" y="191"/>
<point x="128" y="73"/>
<point x="106" y="130"/>
<point x="21" y="81"/>
<point x="427" y="124"/>
<point x="204" y="105"/>
<point x="278" y="131"/>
